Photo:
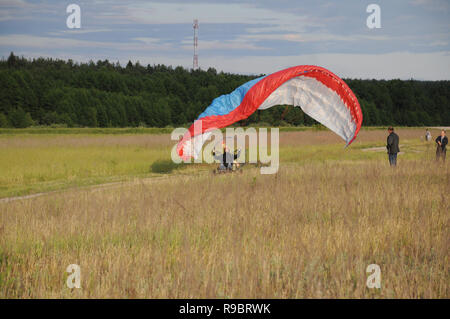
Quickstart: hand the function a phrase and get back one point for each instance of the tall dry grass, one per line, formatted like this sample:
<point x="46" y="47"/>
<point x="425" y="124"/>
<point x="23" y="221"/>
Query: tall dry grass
<point x="309" y="231"/>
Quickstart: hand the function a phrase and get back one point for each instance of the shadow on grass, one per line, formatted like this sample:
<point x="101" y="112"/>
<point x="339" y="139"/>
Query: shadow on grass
<point x="164" y="166"/>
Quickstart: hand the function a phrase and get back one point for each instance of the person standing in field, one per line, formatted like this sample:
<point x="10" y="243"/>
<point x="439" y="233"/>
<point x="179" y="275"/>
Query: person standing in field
<point x="428" y="136"/>
<point x="392" y="146"/>
<point x="441" y="150"/>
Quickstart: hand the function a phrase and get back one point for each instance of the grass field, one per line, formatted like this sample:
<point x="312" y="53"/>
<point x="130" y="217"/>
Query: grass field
<point x="309" y="231"/>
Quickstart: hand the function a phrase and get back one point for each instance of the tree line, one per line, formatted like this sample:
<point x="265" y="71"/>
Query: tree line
<point x="46" y="91"/>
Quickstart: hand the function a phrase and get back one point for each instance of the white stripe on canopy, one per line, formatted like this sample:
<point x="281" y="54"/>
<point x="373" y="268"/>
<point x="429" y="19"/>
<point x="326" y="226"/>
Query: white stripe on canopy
<point x="318" y="101"/>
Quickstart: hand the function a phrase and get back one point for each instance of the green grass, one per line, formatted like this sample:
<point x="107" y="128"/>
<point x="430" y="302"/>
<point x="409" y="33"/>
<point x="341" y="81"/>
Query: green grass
<point x="33" y="160"/>
<point x="411" y="150"/>
<point x="85" y="130"/>
<point x="164" y="166"/>
<point x="38" y="169"/>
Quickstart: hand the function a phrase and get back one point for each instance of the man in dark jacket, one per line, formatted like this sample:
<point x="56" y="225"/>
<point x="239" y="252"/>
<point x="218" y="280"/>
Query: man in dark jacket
<point x="441" y="142"/>
<point x="392" y="146"/>
<point x="226" y="158"/>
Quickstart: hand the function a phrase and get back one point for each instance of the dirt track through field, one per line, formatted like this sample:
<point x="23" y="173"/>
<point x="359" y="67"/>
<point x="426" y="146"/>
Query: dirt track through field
<point x="97" y="187"/>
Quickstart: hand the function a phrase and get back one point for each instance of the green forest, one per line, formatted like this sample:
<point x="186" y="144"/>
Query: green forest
<point x="46" y="92"/>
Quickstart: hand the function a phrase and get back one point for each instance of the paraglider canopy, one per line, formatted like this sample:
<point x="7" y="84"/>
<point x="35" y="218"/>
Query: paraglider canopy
<point x="320" y="94"/>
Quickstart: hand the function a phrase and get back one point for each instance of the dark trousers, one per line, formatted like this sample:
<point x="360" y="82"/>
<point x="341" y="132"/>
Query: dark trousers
<point x="440" y="153"/>
<point x="393" y="159"/>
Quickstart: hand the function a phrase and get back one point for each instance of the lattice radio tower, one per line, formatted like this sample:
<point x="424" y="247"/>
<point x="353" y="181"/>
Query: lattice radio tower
<point x="195" y="62"/>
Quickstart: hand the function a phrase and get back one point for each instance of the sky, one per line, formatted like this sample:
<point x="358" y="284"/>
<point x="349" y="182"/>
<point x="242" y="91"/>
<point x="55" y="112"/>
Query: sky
<point x="240" y="36"/>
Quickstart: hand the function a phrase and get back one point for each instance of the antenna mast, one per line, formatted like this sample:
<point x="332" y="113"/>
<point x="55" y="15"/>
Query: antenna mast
<point x="195" y="62"/>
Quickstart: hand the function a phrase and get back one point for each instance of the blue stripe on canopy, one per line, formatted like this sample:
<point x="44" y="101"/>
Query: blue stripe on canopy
<point x="224" y="104"/>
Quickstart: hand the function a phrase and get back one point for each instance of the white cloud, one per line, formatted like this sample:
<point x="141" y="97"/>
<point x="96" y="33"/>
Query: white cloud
<point x="170" y="13"/>
<point x="79" y="31"/>
<point x="147" y="40"/>
<point x="22" y="10"/>
<point x="136" y="44"/>
<point x="403" y="65"/>
<point x="436" y="5"/>
<point x="315" y="37"/>
<point x="13" y="3"/>
<point x="29" y="41"/>
<point x="421" y="2"/>
<point x="237" y="44"/>
<point x="438" y="43"/>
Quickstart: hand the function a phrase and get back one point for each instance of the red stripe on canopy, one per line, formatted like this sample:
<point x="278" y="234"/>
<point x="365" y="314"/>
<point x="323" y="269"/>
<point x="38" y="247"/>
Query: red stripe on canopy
<point x="261" y="91"/>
